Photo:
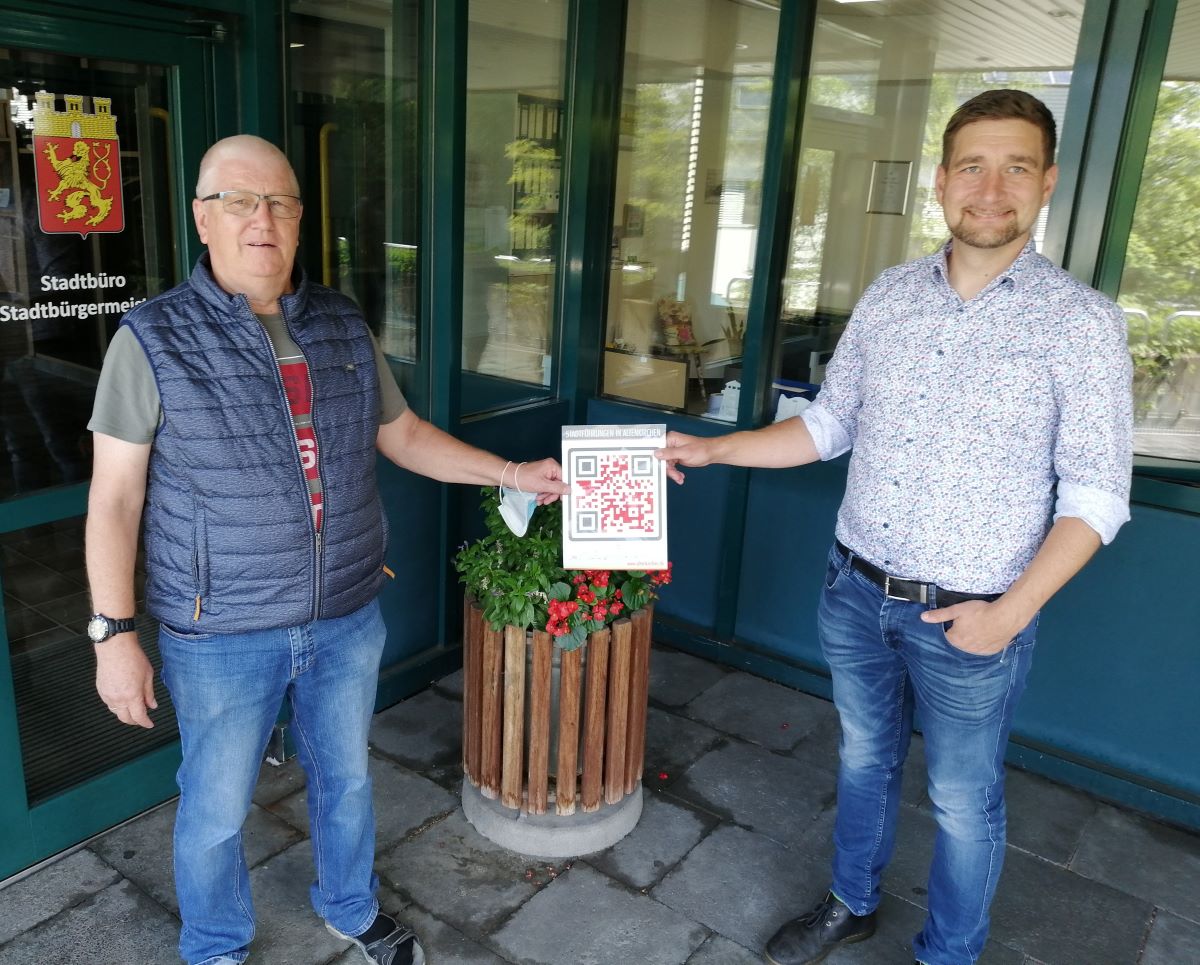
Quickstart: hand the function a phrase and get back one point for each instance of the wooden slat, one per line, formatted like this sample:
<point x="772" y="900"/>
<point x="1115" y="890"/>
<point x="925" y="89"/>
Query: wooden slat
<point x="639" y="689"/>
<point x="618" y="711"/>
<point x="472" y="688"/>
<point x="539" y="723"/>
<point x="512" y="767"/>
<point x="569" y="680"/>
<point x="490" y="719"/>
<point x="593" y="723"/>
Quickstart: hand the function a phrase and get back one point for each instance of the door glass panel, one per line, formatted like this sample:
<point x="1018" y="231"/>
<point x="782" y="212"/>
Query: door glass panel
<point x="885" y="80"/>
<point x="1160" y="291"/>
<point x="515" y="57"/>
<point x="354" y="148"/>
<point x="87" y="230"/>
<point x="689" y="181"/>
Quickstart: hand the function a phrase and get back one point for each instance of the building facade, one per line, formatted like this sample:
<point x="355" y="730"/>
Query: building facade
<point x="566" y="211"/>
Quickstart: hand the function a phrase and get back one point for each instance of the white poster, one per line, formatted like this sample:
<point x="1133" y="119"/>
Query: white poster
<point x="616" y="515"/>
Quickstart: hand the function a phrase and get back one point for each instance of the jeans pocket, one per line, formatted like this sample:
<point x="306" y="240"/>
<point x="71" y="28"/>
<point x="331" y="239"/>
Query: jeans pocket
<point x="834" y="566"/>
<point x="184" y="636"/>
<point x="968" y="655"/>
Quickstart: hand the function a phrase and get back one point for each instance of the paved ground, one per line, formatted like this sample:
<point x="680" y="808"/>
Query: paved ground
<point x="734" y="839"/>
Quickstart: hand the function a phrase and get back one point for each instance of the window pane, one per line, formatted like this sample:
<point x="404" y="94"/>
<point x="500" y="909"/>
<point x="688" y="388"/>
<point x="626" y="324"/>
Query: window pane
<point x="515" y="53"/>
<point x="1160" y="291"/>
<point x="354" y="143"/>
<point x="884" y="83"/>
<point x="694" y="112"/>
<point x="86" y="232"/>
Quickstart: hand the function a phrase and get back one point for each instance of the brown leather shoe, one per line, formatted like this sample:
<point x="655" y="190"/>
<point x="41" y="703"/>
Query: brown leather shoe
<point x="809" y="938"/>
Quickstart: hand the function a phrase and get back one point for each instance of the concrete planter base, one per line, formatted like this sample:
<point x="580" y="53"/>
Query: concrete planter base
<point x="551" y="835"/>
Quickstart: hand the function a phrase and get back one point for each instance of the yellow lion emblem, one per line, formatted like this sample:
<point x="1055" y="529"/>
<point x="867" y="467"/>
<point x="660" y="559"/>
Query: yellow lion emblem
<point x="73" y="174"/>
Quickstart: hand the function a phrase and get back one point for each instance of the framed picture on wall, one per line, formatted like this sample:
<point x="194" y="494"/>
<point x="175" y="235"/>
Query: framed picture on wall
<point x="889" y="187"/>
<point x="635" y="221"/>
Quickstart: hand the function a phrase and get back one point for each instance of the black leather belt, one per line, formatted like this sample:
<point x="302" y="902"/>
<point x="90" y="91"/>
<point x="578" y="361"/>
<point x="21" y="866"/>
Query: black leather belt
<point x="915" y="592"/>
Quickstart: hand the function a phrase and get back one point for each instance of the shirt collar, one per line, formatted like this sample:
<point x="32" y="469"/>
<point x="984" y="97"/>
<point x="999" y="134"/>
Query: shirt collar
<point x="1018" y="273"/>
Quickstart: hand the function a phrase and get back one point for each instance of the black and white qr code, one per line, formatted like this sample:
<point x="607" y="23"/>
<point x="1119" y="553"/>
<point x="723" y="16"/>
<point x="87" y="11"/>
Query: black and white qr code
<point x="615" y="495"/>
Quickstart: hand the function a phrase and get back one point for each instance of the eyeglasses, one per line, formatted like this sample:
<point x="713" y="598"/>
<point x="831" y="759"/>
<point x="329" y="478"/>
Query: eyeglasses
<point x="245" y="203"/>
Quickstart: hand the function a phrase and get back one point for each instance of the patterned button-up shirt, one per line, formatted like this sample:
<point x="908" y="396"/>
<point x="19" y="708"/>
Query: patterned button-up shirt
<point x="969" y="419"/>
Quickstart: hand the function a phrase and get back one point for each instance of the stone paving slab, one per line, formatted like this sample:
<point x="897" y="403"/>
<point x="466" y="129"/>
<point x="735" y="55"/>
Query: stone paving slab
<point x="741" y="884"/>
<point x="277" y="781"/>
<point x="665" y="832"/>
<point x="676" y="677"/>
<point x="53" y="889"/>
<point x="673" y="744"/>
<point x="585" y="917"/>
<point x="759" y="711"/>
<point x="422" y="732"/>
<point x="403" y="802"/>
<point x="473" y="884"/>
<point x="1172" y="941"/>
<point x="1040" y="908"/>
<point x="443" y="944"/>
<point x="451" y="685"/>
<point x="1144" y="858"/>
<point x="770" y="793"/>
<point x="1045" y="818"/>
<point x="288" y="931"/>
<point x="719" y="950"/>
<point x="141" y="849"/>
<point x="117" y="925"/>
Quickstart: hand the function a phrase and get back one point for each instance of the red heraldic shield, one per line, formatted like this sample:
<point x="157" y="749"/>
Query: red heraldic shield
<point x="77" y="162"/>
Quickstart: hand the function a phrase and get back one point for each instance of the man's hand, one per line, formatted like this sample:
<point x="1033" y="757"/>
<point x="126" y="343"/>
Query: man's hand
<point x="681" y="449"/>
<point x="125" y="679"/>
<point x="543" y="477"/>
<point x="979" y="627"/>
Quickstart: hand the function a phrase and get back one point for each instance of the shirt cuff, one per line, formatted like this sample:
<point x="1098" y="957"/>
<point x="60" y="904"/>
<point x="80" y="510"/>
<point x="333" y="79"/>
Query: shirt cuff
<point x="1102" y="511"/>
<point x="827" y="433"/>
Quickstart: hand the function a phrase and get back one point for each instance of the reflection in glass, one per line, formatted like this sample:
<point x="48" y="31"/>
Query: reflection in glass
<point x="1159" y="288"/>
<point x="884" y="83"/>
<point x="689" y="181"/>
<point x="86" y="231"/>
<point x="515" y="57"/>
<point x="354" y="144"/>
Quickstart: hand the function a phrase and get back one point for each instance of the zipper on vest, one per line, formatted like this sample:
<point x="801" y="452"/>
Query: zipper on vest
<point x="316" y="556"/>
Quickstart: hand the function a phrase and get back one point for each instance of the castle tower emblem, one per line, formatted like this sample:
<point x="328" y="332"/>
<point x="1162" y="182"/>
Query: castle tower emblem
<point x="77" y="162"/>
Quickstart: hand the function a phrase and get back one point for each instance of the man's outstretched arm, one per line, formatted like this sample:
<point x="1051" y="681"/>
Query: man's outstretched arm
<point x="124" y="677"/>
<point x="777" y="446"/>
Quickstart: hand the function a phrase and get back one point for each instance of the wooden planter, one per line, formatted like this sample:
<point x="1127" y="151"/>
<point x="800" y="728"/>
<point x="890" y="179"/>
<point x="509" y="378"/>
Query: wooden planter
<point x="601" y="715"/>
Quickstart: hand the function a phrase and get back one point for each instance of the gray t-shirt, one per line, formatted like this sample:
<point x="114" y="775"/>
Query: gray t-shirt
<point x="128" y="407"/>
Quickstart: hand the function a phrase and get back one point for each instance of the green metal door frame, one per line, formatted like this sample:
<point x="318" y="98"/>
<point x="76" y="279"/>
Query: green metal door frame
<point x="172" y="38"/>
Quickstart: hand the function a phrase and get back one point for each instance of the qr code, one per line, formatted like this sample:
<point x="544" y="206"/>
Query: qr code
<point x="614" y="495"/>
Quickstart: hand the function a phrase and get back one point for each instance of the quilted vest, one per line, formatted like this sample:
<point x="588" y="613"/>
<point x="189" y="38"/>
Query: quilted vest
<point x="230" y="540"/>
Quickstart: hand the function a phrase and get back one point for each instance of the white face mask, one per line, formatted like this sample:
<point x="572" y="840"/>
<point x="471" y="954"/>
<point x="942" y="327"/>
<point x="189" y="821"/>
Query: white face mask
<point x="516" y="508"/>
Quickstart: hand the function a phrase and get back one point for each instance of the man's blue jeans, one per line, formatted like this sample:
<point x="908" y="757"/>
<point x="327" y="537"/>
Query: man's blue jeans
<point x="227" y="690"/>
<point x="885" y="662"/>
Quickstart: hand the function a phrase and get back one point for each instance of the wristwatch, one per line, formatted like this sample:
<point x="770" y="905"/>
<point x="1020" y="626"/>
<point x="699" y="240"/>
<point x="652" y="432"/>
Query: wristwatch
<point x="100" y="627"/>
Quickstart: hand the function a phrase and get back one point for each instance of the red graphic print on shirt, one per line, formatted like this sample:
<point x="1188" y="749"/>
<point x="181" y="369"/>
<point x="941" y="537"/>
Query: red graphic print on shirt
<point x="299" y="396"/>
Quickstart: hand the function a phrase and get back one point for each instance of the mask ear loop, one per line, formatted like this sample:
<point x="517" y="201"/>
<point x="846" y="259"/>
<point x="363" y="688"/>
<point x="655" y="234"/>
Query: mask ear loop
<point x="500" y="488"/>
<point x="517" y="480"/>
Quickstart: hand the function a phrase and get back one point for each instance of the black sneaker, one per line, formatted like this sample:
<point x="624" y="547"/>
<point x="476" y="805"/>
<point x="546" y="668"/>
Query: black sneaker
<point x="399" y="946"/>
<point x="809" y="938"/>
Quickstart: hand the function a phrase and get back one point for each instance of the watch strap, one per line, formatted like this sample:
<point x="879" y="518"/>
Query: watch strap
<point x="125" y="625"/>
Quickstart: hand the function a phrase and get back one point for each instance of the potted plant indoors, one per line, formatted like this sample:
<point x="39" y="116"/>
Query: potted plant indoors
<point x="556" y="675"/>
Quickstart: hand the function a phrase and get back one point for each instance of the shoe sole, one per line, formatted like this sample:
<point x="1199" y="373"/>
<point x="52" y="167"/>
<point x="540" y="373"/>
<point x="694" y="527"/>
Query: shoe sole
<point x="418" y="951"/>
<point x="828" y="951"/>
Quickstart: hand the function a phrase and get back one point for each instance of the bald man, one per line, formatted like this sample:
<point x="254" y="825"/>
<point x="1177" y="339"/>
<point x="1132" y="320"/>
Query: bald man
<point x="239" y="414"/>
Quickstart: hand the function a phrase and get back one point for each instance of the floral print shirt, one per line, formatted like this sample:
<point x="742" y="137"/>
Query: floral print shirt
<point x="972" y="422"/>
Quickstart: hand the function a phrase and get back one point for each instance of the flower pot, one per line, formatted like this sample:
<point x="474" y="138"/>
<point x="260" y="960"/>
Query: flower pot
<point x="516" y="789"/>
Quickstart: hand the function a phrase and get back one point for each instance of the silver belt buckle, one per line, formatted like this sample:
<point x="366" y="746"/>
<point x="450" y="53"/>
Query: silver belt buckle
<point x="887" y="591"/>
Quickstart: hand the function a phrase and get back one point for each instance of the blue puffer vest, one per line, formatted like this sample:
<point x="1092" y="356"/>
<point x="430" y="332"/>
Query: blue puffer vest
<point x="230" y="541"/>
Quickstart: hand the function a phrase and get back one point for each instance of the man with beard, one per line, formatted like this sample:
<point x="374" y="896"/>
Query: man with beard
<point x="986" y="396"/>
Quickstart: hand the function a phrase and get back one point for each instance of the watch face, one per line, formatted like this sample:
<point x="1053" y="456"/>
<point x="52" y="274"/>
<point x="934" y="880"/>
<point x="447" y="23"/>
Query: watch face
<point x="97" y="629"/>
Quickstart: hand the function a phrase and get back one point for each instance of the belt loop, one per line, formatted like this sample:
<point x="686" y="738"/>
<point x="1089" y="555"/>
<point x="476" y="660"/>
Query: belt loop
<point x="925" y="592"/>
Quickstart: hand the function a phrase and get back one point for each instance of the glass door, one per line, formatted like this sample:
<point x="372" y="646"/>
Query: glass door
<point x="94" y="157"/>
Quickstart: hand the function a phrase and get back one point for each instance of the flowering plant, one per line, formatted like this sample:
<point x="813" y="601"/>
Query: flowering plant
<point x="675" y="316"/>
<point x="520" y="581"/>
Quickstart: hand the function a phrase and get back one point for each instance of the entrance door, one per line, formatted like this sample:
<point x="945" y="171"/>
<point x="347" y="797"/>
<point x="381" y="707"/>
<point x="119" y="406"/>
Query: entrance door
<point x="100" y="121"/>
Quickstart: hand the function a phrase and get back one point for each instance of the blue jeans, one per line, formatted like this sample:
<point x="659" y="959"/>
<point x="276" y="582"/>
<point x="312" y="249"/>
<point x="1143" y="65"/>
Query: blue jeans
<point x="885" y="663"/>
<point x="227" y="690"/>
